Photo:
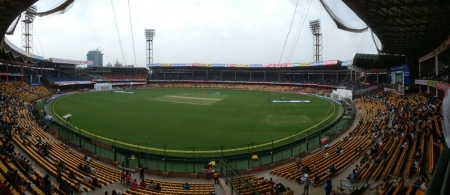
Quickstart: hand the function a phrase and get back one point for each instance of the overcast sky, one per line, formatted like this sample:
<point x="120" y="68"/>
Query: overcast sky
<point x="193" y="31"/>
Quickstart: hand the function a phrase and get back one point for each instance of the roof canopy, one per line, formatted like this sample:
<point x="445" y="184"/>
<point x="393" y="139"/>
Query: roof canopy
<point x="409" y="27"/>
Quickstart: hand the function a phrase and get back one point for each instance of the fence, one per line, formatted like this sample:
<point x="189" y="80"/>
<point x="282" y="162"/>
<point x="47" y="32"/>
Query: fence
<point x="193" y="159"/>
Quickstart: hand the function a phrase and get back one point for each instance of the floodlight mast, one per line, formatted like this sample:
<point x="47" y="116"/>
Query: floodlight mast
<point x="314" y="25"/>
<point x="27" y="28"/>
<point x="149" y="34"/>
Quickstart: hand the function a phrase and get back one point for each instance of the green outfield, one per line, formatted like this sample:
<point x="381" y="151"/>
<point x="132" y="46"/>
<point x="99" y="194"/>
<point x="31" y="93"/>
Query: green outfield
<point x="202" y="118"/>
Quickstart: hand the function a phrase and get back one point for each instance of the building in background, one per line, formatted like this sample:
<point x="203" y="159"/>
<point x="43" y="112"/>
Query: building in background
<point x="117" y="64"/>
<point x="96" y="56"/>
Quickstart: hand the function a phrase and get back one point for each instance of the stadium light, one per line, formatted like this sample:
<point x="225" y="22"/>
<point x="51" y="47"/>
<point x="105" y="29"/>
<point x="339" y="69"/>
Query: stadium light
<point x="149" y="34"/>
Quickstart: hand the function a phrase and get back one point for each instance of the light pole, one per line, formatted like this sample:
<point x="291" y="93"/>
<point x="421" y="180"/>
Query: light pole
<point x="149" y="34"/>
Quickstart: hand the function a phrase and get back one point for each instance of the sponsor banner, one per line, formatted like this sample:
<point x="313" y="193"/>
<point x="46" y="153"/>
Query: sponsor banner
<point x="66" y="61"/>
<point x="5" y="74"/>
<point x="426" y="57"/>
<point x="153" y="65"/>
<point x="217" y="65"/>
<point x="166" y="65"/>
<point x="241" y="65"/>
<point x="84" y="82"/>
<point x="316" y="63"/>
<point x="287" y="65"/>
<point x="249" y="82"/>
<point x="297" y="64"/>
<point x="65" y="83"/>
<point x="204" y="65"/>
<point x="431" y="83"/>
<point x="305" y="63"/>
<point x="178" y="65"/>
<point x="230" y="65"/>
<point x="128" y="83"/>
<point x="255" y="65"/>
<point x="437" y="51"/>
<point x="16" y="75"/>
<point x="112" y="80"/>
<point x="420" y="82"/>
<point x="36" y="84"/>
<point x="329" y="62"/>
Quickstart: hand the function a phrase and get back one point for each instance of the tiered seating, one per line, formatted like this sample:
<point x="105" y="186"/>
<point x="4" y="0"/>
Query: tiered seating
<point x="341" y="161"/>
<point x="23" y="90"/>
<point x="259" y="184"/>
<point x="58" y="153"/>
<point x="36" y="178"/>
<point x="174" y="188"/>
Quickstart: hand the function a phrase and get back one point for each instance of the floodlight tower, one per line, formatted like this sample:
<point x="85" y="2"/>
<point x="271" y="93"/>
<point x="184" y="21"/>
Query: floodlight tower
<point x="149" y="34"/>
<point x="27" y="28"/>
<point x="314" y="25"/>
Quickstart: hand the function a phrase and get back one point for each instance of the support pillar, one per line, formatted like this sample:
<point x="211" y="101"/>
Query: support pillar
<point x="420" y="70"/>
<point x="250" y="75"/>
<point x="220" y="75"/>
<point x="377" y="77"/>
<point x="436" y="63"/>
<point x="235" y="75"/>
<point x="351" y="75"/>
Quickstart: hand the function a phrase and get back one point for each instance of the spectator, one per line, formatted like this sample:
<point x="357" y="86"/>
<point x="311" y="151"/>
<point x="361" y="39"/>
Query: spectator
<point x="142" y="184"/>
<point x="157" y="187"/>
<point x="216" y="177"/>
<point x="141" y="172"/>
<point x="122" y="177"/>
<point x="289" y="191"/>
<point x="328" y="187"/>
<point x="186" y="186"/>
<point x="134" y="184"/>
<point x="151" y="185"/>
<point x="306" y="184"/>
<point x="382" y="186"/>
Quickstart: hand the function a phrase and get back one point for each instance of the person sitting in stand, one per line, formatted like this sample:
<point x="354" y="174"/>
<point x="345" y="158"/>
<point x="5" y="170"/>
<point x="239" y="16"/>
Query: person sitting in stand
<point x="151" y="185"/>
<point x="352" y="176"/>
<point x="157" y="187"/>
<point x="142" y="184"/>
<point x="186" y="186"/>
<point x="315" y="180"/>
<point x="333" y="169"/>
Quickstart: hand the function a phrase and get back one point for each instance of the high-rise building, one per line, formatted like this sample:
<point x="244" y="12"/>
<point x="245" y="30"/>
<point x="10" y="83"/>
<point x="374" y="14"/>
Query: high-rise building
<point x="95" y="56"/>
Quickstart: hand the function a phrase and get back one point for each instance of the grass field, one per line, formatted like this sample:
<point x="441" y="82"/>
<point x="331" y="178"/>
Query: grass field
<point x="202" y="118"/>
